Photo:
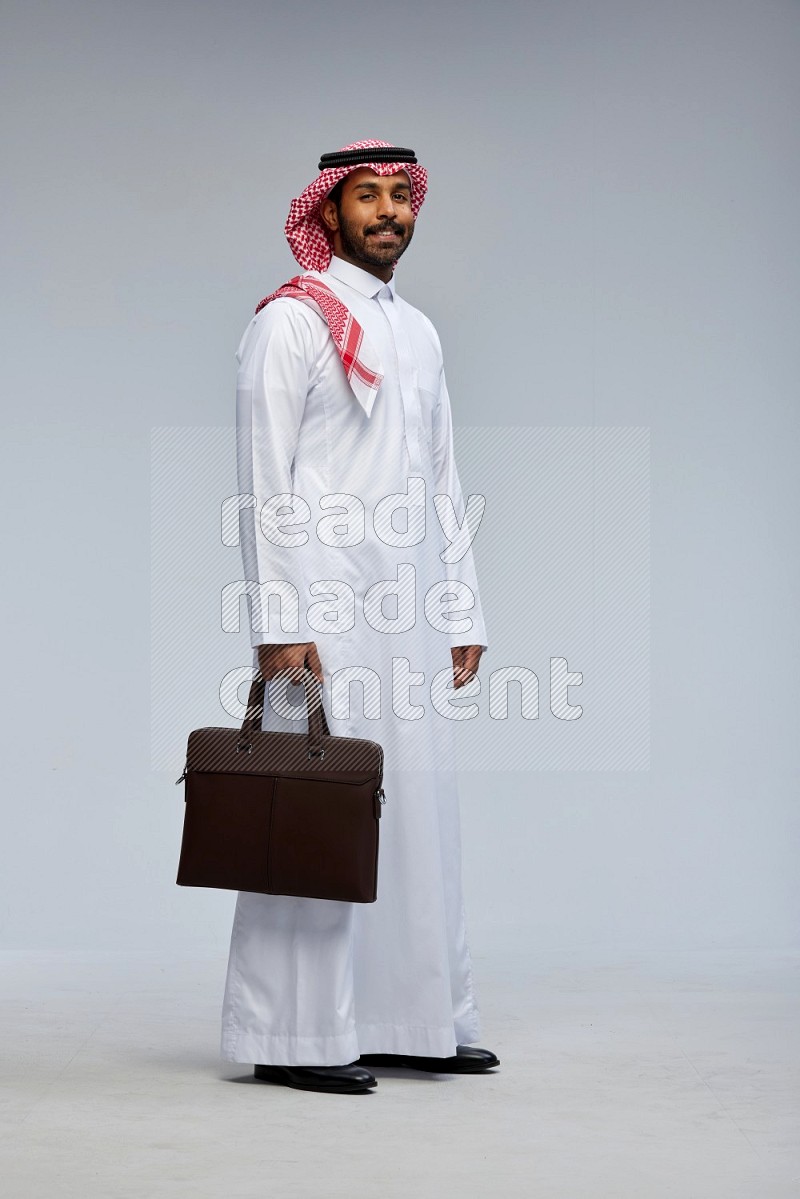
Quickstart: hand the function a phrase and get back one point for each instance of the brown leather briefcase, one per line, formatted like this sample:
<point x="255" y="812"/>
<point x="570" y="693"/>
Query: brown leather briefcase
<point x="282" y="813"/>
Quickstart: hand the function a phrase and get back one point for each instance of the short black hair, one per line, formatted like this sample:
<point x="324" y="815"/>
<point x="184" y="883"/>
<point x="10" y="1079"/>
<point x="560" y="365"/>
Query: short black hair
<point x="335" y="193"/>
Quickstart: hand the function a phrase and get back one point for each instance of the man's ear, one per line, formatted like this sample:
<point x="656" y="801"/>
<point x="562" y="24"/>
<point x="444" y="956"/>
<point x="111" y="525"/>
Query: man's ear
<point x="330" y="215"/>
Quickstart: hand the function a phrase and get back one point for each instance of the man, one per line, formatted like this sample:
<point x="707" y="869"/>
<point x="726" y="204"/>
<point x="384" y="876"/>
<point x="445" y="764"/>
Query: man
<point x="342" y="404"/>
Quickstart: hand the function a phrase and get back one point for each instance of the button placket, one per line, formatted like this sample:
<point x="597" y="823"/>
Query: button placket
<point x="407" y="380"/>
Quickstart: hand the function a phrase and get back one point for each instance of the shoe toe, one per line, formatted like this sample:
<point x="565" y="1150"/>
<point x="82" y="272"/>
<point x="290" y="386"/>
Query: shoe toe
<point x="480" y="1057"/>
<point x="361" y="1075"/>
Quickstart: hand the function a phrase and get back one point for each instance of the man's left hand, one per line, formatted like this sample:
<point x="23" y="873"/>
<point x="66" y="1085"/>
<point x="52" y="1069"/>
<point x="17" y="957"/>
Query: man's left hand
<point x="465" y="663"/>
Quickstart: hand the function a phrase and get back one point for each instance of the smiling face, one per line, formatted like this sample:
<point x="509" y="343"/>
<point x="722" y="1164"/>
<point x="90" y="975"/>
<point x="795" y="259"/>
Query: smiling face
<point x="372" y="224"/>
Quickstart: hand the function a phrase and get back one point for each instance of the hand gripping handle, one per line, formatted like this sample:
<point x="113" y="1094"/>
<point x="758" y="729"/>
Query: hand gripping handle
<point x="317" y="721"/>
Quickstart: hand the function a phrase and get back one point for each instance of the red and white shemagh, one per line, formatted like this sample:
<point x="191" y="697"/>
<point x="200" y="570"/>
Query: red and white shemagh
<point x="305" y="230"/>
<point x="361" y="363"/>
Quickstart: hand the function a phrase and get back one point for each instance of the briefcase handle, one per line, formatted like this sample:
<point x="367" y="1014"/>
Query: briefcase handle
<point x="317" y="721"/>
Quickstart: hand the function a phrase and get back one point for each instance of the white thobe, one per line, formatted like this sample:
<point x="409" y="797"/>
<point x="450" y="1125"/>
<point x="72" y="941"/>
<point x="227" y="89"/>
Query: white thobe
<point x="315" y="981"/>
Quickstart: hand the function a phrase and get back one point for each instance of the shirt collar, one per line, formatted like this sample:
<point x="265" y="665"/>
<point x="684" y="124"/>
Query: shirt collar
<point x="363" y="281"/>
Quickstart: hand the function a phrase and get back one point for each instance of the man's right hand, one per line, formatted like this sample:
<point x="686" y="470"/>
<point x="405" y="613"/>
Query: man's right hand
<point x="272" y="659"/>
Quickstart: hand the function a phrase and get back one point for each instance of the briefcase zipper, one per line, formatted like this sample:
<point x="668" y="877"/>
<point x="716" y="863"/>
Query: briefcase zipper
<point x="380" y="794"/>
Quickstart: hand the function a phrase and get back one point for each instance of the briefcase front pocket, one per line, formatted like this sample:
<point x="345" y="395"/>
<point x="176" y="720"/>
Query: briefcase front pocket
<point x="320" y="843"/>
<point x="226" y="831"/>
<point x="280" y="836"/>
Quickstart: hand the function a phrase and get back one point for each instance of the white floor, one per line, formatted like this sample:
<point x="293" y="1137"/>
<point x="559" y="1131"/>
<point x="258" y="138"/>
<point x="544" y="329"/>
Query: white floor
<point x="630" y="1077"/>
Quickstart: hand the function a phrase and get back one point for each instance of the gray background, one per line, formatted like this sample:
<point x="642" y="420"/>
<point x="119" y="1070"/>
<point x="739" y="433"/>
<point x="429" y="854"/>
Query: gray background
<point x="609" y="239"/>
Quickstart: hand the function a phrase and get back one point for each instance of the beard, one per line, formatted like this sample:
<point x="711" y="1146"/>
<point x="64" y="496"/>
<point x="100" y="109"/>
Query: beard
<point x="360" y="246"/>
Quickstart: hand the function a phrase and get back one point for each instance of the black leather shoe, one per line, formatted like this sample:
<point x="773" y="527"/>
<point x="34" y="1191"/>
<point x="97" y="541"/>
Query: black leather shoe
<point x="468" y="1060"/>
<point x="352" y="1078"/>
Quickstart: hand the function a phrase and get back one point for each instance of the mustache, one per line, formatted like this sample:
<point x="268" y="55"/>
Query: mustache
<point x="390" y="228"/>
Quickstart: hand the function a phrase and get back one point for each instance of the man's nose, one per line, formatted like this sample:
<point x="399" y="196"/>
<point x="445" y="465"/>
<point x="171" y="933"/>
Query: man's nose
<point x="386" y="206"/>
